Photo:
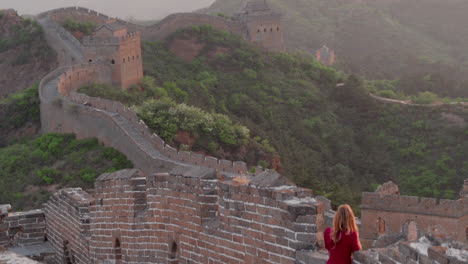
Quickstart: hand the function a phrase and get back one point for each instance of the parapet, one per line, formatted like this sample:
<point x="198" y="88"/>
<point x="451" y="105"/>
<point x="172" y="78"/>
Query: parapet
<point x="415" y="205"/>
<point x="21" y="228"/>
<point x="388" y="188"/>
<point x="90" y="41"/>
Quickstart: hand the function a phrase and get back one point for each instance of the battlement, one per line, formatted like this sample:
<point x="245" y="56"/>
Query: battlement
<point x="394" y="216"/>
<point x="68" y="219"/>
<point x="114" y="41"/>
<point x="228" y="221"/>
<point x="21" y="228"/>
<point x="416" y="205"/>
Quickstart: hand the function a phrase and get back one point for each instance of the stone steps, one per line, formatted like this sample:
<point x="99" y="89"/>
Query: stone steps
<point x="137" y="137"/>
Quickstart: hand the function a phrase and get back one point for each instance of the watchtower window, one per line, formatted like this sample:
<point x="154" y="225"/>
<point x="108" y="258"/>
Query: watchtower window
<point x="118" y="252"/>
<point x="264" y="30"/>
<point x="90" y="60"/>
<point x="277" y="29"/>
<point x="258" y="30"/>
<point x="271" y="29"/>
<point x="113" y="61"/>
<point x="174" y="251"/>
<point x="123" y="60"/>
<point x="133" y="57"/>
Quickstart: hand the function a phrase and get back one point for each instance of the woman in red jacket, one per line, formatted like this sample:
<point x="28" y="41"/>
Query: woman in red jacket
<point x="343" y="239"/>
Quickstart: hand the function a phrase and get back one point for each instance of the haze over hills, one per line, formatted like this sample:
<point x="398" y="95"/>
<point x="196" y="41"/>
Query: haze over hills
<point x="142" y="9"/>
<point x="224" y="129"/>
<point x="380" y="39"/>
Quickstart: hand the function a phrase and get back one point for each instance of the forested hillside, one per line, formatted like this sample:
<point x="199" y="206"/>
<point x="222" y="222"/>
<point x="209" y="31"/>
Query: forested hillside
<point x="424" y="43"/>
<point x="33" y="167"/>
<point x="25" y="56"/>
<point x="333" y="139"/>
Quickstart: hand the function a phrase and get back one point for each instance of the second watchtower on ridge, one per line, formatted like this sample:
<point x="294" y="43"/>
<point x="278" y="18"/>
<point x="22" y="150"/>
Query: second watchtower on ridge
<point x="112" y="44"/>
<point x="263" y="25"/>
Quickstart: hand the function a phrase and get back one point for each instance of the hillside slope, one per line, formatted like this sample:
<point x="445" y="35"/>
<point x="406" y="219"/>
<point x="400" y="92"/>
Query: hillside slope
<point x="25" y="55"/>
<point x="379" y="39"/>
<point x="333" y="139"/>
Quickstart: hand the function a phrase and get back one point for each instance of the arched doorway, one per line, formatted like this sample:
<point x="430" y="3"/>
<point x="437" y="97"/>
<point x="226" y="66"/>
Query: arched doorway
<point x="412" y="231"/>
<point x="380" y="226"/>
<point x="118" y="252"/>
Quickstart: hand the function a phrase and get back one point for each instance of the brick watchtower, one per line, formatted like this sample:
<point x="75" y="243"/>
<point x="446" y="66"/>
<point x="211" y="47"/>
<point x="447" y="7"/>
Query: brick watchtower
<point x="112" y="44"/>
<point x="263" y="25"/>
<point x="325" y="55"/>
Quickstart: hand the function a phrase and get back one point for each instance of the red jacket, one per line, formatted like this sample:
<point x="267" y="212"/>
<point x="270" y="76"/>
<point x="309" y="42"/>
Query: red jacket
<point x="341" y="252"/>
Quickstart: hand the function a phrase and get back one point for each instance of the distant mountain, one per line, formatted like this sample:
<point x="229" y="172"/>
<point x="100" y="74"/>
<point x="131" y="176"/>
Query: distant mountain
<point x="383" y="39"/>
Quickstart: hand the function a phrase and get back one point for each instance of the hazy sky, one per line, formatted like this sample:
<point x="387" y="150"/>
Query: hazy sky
<point x="142" y="9"/>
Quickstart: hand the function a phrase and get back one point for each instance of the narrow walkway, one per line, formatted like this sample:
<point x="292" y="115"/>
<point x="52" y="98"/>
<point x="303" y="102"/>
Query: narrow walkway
<point x="69" y="56"/>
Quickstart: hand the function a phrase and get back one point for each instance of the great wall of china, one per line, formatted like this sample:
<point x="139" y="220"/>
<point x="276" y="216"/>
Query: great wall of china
<point x="181" y="207"/>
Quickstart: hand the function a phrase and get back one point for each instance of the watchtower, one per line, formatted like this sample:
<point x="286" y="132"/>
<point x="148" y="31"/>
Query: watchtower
<point x="325" y="55"/>
<point x="263" y="25"/>
<point x="112" y="44"/>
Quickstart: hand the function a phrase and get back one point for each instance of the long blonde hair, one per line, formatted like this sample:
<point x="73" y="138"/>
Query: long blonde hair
<point x="344" y="220"/>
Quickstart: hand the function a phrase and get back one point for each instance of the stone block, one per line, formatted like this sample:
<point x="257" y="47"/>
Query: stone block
<point x="408" y="251"/>
<point x="437" y="253"/>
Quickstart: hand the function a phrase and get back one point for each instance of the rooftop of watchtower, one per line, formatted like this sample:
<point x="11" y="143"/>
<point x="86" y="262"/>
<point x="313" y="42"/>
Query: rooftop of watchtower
<point x="256" y="6"/>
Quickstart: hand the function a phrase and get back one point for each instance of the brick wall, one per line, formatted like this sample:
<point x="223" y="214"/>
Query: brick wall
<point x="71" y="116"/>
<point x="265" y="31"/>
<point x="247" y="28"/>
<point x="81" y="75"/>
<point x="185" y="216"/>
<point x="405" y="252"/>
<point x="389" y="214"/>
<point x="21" y="228"/>
<point x="68" y="225"/>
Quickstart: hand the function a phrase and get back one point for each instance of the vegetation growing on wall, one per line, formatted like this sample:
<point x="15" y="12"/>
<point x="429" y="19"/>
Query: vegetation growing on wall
<point x="32" y="170"/>
<point x="72" y="25"/>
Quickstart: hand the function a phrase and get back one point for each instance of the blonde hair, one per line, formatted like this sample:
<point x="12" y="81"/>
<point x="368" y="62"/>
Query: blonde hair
<point x="344" y="220"/>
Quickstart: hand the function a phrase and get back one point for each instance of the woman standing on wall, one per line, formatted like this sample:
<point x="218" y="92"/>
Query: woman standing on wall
<point x="343" y="239"/>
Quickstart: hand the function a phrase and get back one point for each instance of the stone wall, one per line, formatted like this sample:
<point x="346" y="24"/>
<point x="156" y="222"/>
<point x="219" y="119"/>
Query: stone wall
<point x="21" y="228"/>
<point x="184" y="216"/>
<point x="248" y="27"/>
<point x="94" y="117"/>
<point x="416" y="253"/>
<point x="392" y="214"/>
<point x="80" y="75"/>
<point x="68" y="225"/>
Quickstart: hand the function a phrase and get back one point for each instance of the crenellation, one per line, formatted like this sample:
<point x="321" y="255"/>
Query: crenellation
<point x="412" y="204"/>
<point x="392" y="215"/>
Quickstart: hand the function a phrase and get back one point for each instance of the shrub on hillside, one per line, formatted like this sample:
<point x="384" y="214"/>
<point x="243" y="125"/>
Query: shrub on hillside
<point x="72" y="25"/>
<point x="56" y="159"/>
<point x="21" y="107"/>
<point x="425" y="98"/>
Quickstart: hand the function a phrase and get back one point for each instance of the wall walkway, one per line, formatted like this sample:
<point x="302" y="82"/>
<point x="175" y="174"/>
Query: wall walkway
<point x="65" y="111"/>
